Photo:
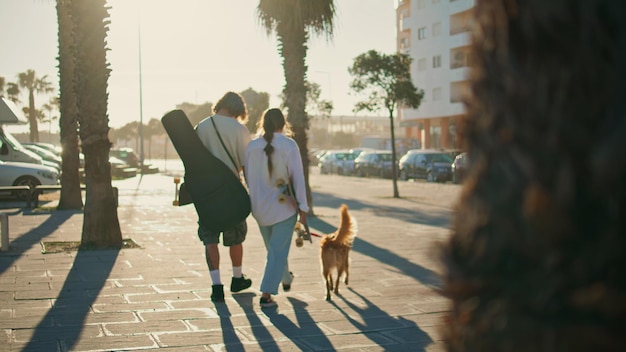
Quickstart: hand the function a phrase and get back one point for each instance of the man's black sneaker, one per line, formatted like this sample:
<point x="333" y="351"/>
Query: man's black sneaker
<point x="240" y="283"/>
<point x="218" y="293"/>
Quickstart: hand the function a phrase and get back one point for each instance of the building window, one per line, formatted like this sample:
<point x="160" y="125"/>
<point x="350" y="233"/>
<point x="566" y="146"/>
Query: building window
<point x="421" y="33"/>
<point x="437" y="93"/>
<point x="436" y="61"/>
<point x="436" y="29"/>
<point x="421" y="64"/>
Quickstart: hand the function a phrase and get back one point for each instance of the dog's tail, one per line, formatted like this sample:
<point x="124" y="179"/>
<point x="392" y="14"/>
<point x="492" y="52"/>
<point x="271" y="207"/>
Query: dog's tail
<point x="347" y="227"/>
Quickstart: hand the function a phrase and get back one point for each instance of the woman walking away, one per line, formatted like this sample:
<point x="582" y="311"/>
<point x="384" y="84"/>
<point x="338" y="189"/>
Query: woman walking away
<point x="273" y="164"/>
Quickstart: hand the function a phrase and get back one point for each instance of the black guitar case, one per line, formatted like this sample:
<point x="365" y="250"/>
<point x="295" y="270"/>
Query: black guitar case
<point x="220" y="199"/>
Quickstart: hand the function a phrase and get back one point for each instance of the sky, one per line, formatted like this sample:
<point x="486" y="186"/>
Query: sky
<point x="194" y="51"/>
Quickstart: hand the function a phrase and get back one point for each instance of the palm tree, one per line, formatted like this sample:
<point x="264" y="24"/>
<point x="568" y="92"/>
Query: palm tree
<point x="33" y="84"/>
<point x="101" y="227"/>
<point x="292" y="22"/>
<point x="71" y="197"/>
<point x="13" y="92"/>
<point x="49" y="107"/>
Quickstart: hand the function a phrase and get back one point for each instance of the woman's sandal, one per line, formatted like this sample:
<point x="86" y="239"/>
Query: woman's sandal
<point x="267" y="302"/>
<point x="287" y="287"/>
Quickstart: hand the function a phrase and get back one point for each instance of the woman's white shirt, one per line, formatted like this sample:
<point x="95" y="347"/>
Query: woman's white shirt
<point x="264" y="192"/>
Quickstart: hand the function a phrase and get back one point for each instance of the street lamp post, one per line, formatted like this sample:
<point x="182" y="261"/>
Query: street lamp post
<point x="141" y="152"/>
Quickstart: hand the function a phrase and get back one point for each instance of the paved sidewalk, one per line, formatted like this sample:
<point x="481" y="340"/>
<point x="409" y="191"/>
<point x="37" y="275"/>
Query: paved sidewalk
<point x="158" y="296"/>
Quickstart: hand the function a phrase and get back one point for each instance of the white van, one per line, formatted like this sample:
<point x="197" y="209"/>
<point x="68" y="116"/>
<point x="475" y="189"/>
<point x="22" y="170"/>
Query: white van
<point x="10" y="148"/>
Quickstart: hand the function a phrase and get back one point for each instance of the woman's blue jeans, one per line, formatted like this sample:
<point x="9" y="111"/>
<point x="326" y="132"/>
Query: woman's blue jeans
<point x="277" y="239"/>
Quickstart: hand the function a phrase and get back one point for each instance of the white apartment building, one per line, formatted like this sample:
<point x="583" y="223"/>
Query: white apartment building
<point x="436" y="34"/>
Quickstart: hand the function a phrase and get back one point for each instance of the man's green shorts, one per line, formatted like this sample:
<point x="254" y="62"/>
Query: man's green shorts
<point x="232" y="237"/>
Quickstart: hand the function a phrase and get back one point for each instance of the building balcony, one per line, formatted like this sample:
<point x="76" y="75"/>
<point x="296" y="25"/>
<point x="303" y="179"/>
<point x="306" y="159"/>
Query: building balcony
<point x="405" y="24"/>
<point x="460" y="39"/>
<point x="460" y="73"/>
<point x="461" y="5"/>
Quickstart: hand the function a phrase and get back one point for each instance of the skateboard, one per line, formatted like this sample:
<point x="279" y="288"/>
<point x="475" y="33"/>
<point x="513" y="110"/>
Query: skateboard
<point x="218" y="195"/>
<point x="302" y="234"/>
<point x="287" y="194"/>
<point x="181" y="196"/>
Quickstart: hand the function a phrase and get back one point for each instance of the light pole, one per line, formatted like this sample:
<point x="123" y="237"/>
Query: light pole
<point x="141" y="154"/>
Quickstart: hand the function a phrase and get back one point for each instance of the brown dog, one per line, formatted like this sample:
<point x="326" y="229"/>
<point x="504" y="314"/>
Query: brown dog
<point x="335" y="251"/>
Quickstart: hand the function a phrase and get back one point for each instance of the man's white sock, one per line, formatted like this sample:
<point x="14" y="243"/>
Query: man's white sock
<point x="215" y="277"/>
<point x="237" y="271"/>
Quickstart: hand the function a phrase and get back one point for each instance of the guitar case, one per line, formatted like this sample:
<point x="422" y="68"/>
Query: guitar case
<point x="220" y="199"/>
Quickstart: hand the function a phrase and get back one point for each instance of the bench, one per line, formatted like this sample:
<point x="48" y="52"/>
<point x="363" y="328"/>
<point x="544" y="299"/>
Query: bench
<point x="43" y="188"/>
<point x="13" y="189"/>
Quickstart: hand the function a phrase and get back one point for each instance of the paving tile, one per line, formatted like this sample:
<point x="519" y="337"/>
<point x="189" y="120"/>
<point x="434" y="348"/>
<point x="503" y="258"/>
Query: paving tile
<point x="177" y="314"/>
<point x="113" y="343"/>
<point x="142" y="327"/>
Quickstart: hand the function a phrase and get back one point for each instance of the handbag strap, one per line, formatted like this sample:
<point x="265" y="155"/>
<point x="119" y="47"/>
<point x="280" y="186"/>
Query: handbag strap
<point x="223" y="145"/>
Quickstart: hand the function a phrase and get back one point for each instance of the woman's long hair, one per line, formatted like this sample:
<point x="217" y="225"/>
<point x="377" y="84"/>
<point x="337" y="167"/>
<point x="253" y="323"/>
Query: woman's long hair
<point x="273" y="120"/>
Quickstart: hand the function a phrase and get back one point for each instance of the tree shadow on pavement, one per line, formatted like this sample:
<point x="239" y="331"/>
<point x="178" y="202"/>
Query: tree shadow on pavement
<point x="438" y="216"/>
<point x="63" y="325"/>
<point x="32" y="238"/>
<point x="378" y="324"/>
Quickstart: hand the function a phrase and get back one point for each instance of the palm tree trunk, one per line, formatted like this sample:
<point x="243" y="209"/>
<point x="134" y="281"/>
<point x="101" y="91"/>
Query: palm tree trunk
<point x="293" y="49"/>
<point x="71" y="197"/>
<point x="32" y="117"/>
<point x="101" y="226"/>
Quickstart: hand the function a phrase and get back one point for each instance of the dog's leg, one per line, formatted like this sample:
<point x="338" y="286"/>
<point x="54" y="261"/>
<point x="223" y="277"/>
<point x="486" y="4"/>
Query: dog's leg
<point x="347" y="269"/>
<point x="328" y="279"/>
<point x="340" y="272"/>
<point x="329" y="288"/>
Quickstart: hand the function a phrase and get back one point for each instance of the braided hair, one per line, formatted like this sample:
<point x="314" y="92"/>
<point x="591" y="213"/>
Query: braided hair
<point x="273" y="120"/>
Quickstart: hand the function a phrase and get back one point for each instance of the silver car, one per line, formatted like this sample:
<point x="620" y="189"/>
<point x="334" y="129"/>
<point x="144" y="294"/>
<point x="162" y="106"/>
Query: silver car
<point x="26" y="174"/>
<point x="340" y="162"/>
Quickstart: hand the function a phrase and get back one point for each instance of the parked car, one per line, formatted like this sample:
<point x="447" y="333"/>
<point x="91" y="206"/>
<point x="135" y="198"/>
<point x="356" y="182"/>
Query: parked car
<point x="48" y="146"/>
<point x="459" y="168"/>
<point x="374" y="163"/>
<point x="359" y="150"/>
<point x="49" y="158"/>
<point x="452" y="152"/>
<point x="26" y="174"/>
<point x="120" y="169"/>
<point x="340" y="162"/>
<point x="432" y="165"/>
<point x="129" y="156"/>
<point x="12" y="150"/>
